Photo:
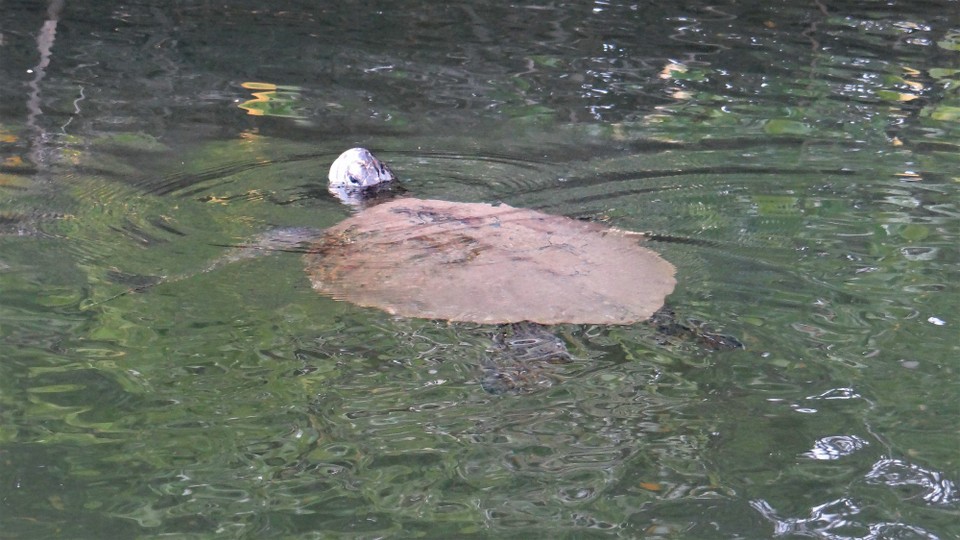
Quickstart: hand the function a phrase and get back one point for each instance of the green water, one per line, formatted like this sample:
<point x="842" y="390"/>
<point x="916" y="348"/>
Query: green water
<point x="797" y="163"/>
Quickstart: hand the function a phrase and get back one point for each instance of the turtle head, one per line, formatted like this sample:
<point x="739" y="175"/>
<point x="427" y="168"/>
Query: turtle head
<point x="358" y="175"/>
<point x="357" y="168"/>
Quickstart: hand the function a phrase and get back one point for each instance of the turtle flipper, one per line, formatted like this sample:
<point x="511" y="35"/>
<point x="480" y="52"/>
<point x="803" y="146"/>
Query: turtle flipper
<point x="290" y="240"/>
<point x="666" y="322"/>
<point x="521" y="359"/>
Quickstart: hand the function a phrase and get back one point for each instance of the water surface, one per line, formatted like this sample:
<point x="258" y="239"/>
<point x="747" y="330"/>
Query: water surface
<point x="797" y="163"/>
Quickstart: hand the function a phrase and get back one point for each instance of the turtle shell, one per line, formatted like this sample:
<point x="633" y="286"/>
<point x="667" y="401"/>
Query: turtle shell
<point x="491" y="264"/>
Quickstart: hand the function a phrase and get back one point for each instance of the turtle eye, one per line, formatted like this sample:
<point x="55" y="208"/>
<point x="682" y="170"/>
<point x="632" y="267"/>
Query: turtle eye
<point x="353" y="179"/>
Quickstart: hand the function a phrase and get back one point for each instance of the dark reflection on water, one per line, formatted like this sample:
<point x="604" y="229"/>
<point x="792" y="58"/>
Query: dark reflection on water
<point x="795" y="161"/>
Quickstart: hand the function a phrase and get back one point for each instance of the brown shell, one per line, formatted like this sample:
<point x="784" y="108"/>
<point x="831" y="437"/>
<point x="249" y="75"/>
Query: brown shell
<point x="488" y="264"/>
